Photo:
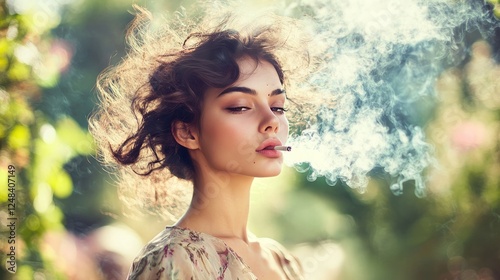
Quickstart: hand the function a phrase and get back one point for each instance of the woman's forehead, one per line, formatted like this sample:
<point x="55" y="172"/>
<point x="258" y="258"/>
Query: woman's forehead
<point x="261" y="68"/>
<point x="253" y="74"/>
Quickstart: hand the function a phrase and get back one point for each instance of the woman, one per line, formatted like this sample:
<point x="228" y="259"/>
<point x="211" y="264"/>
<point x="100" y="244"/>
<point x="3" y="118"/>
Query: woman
<point x="210" y="112"/>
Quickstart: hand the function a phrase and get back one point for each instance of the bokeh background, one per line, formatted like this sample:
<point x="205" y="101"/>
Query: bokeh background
<point x="71" y="224"/>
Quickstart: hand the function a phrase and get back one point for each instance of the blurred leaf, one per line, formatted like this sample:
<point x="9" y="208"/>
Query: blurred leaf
<point x="61" y="183"/>
<point x="70" y="133"/>
<point x="19" y="137"/>
<point x="48" y="77"/>
<point x="18" y="111"/>
<point x="5" y="48"/>
<point x="3" y="191"/>
<point x="19" y="72"/>
<point x="3" y="63"/>
<point x="33" y="222"/>
<point x="496" y="7"/>
<point x="24" y="272"/>
<point x="43" y="197"/>
<point x="53" y="218"/>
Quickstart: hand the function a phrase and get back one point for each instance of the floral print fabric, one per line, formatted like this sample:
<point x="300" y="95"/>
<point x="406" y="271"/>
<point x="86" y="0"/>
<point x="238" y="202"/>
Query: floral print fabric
<point x="178" y="253"/>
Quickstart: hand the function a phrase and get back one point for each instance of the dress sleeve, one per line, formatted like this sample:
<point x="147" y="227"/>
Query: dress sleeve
<point x="289" y="263"/>
<point x="173" y="262"/>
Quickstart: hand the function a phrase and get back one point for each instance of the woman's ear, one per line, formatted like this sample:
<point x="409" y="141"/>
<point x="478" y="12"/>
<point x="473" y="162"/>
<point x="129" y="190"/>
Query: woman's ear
<point x="185" y="135"/>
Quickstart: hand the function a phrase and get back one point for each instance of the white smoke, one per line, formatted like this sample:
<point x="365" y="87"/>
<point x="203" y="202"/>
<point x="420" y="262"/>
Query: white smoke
<point x="380" y="59"/>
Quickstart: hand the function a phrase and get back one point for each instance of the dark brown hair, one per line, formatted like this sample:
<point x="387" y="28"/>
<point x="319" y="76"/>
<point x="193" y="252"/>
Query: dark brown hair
<point x="163" y="79"/>
<point x="175" y="93"/>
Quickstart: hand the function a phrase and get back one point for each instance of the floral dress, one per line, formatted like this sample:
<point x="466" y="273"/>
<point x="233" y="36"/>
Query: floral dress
<point x="178" y="253"/>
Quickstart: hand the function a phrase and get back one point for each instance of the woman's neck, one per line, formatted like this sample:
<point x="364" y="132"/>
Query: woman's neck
<point x="220" y="205"/>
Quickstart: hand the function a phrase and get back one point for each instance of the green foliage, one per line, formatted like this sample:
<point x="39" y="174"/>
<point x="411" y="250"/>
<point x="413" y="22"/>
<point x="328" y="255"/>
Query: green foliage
<point x="496" y="7"/>
<point x="37" y="147"/>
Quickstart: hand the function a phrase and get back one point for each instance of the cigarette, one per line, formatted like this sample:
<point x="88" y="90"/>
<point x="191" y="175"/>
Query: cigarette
<point x="283" y="148"/>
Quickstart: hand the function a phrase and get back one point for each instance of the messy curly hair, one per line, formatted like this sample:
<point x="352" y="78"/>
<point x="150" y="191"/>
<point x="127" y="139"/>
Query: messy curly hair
<point x="162" y="79"/>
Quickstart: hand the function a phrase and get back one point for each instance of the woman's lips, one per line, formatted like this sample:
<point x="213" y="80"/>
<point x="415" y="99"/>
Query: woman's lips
<point x="270" y="153"/>
<point x="268" y="144"/>
<point x="266" y="148"/>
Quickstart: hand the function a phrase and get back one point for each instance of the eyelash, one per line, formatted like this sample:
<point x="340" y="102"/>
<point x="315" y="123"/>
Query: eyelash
<point x="239" y="110"/>
<point x="279" y="110"/>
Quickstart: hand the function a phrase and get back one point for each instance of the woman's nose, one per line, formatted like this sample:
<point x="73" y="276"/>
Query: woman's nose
<point x="270" y="122"/>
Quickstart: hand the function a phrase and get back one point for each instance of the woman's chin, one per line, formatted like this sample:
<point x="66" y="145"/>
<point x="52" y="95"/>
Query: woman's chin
<point x="270" y="171"/>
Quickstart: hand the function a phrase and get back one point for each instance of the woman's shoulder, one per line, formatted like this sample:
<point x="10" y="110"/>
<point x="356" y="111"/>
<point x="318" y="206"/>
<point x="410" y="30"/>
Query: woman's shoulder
<point x="178" y="253"/>
<point x="288" y="262"/>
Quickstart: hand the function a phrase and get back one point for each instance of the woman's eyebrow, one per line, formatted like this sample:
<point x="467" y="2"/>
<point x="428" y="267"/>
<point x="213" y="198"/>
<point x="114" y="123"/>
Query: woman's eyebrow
<point x="249" y="91"/>
<point x="278" y="91"/>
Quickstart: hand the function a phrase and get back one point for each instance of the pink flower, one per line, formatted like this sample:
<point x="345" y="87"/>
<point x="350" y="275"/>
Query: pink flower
<point x="468" y="135"/>
<point x="61" y="53"/>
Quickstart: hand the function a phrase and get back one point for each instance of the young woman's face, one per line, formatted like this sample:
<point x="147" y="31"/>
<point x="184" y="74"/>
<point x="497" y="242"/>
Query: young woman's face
<point x="240" y="121"/>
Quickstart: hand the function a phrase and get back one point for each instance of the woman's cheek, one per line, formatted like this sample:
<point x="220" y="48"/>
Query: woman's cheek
<point x="226" y="135"/>
<point x="285" y="129"/>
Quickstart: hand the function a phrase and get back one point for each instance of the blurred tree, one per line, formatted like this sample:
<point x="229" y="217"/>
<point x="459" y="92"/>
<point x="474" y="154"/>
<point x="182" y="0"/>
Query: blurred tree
<point x="35" y="146"/>
<point x="93" y="31"/>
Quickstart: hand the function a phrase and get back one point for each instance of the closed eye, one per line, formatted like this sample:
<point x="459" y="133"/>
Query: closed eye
<point x="236" y="110"/>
